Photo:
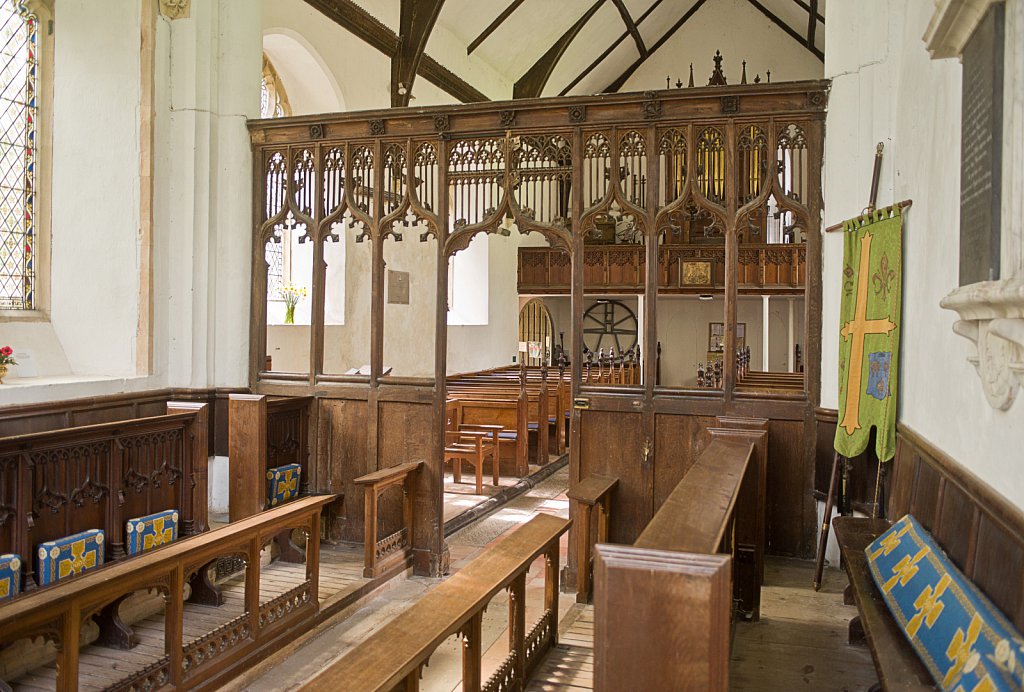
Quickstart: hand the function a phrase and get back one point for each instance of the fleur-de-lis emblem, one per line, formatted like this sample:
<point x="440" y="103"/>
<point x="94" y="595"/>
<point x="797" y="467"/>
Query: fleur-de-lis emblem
<point x="883" y="277"/>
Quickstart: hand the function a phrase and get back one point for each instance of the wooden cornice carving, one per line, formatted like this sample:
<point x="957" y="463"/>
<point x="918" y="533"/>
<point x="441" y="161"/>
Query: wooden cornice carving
<point x="417" y="21"/>
<point x="531" y="84"/>
<point x="361" y="23"/>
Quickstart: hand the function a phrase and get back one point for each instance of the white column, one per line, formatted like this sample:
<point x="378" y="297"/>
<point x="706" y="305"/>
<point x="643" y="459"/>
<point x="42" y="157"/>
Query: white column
<point x="791" y="358"/>
<point x="764" y="333"/>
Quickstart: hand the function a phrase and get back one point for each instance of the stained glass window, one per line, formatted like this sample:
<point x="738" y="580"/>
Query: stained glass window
<point x="18" y="53"/>
<point x="273" y="98"/>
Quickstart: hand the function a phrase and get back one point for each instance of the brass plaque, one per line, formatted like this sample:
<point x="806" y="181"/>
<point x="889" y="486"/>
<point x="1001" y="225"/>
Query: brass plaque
<point x="696" y="273"/>
<point x="398" y="288"/>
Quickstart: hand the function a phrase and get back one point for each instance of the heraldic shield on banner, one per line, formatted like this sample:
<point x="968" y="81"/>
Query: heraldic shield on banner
<point x="869" y="333"/>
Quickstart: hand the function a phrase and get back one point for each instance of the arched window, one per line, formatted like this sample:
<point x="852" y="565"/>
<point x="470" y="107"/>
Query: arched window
<point x="273" y="97"/>
<point x="18" y="116"/>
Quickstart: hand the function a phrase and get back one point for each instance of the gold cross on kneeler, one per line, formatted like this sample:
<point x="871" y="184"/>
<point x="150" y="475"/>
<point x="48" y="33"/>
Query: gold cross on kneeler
<point x="78" y="561"/>
<point x="857" y="330"/>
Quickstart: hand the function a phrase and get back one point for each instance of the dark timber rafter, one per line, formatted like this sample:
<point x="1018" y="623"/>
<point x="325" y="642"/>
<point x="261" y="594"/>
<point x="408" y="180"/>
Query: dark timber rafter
<point x="617" y="84"/>
<point x="416" y="22"/>
<point x="631" y="27"/>
<point x="608" y="50"/>
<point x="812" y="22"/>
<point x="358" y="21"/>
<point x="531" y="84"/>
<point x="795" y="35"/>
<point x="492" y="27"/>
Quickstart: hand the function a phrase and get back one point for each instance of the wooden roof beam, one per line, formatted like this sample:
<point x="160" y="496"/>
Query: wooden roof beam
<point x="416" y="21"/>
<point x="631" y="27"/>
<point x="812" y="22"/>
<point x="607" y="51"/>
<point x="492" y="27"/>
<point x="796" y="36"/>
<point x="353" y="18"/>
<point x="532" y="84"/>
<point x="617" y="84"/>
<point x="807" y="8"/>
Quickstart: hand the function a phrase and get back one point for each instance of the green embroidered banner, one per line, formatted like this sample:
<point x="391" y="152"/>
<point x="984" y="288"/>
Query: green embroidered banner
<point x="869" y="333"/>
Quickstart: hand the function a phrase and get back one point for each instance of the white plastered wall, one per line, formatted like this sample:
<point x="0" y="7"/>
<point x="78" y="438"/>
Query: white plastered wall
<point x="886" y="89"/>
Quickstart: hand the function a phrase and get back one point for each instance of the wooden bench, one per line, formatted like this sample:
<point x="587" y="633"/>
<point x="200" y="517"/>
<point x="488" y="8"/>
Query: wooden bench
<point x="58" y="613"/>
<point x="394" y="655"/>
<point x="672" y="591"/>
<point x="898" y="665"/>
<point x="978" y="528"/>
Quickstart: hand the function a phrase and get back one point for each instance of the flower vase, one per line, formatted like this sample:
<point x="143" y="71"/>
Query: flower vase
<point x="289" y="314"/>
<point x="3" y="373"/>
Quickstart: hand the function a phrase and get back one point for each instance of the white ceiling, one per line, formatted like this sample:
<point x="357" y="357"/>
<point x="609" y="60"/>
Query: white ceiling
<point x="536" y="25"/>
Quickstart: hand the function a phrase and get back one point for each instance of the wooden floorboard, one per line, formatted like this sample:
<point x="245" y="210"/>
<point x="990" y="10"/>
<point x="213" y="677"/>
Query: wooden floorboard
<point x="799" y="643"/>
<point x="341" y="570"/>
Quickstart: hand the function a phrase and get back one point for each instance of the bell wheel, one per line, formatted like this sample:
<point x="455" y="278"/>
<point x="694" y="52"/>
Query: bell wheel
<point x="610" y="324"/>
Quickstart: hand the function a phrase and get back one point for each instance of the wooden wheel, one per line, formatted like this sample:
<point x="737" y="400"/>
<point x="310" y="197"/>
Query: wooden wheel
<point x="610" y="324"/>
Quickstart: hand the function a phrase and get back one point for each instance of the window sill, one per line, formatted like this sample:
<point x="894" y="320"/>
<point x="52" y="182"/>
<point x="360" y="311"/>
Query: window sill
<point x="32" y="390"/>
<point x="23" y="316"/>
<point x="992" y="319"/>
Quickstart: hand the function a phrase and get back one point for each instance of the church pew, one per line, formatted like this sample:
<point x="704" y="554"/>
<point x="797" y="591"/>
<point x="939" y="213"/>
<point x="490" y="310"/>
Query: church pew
<point x="57" y="614"/>
<point x="591" y="495"/>
<point x="677" y="579"/>
<point x="393" y="656"/>
<point x="548" y="391"/>
<point x="264" y="433"/>
<point x="542" y="408"/>
<point x="62" y="482"/>
<point x="975" y="525"/>
<point x="511" y="414"/>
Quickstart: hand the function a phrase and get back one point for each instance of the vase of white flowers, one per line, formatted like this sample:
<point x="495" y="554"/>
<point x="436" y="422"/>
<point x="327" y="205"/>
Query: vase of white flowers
<point x="292" y="295"/>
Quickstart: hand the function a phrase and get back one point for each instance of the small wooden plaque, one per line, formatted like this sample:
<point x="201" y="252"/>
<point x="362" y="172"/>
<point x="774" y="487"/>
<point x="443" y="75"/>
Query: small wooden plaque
<point x="697" y="273"/>
<point x="398" y="288"/>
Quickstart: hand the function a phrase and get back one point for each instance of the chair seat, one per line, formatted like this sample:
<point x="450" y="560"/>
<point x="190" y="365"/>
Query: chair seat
<point x="508" y="435"/>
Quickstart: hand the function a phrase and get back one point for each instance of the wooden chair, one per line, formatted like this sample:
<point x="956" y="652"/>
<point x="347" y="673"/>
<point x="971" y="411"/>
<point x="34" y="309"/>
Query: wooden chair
<point x="474" y="447"/>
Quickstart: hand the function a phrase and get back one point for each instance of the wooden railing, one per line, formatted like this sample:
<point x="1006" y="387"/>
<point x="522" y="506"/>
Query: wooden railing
<point x="59" y="613"/>
<point x="672" y="591"/>
<point x="397" y="652"/>
<point x="592" y="495"/>
<point x="763" y="268"/>
<point x="264" y="433"/>
<point x="384" y="554"/>
<point x="56" y="483"/>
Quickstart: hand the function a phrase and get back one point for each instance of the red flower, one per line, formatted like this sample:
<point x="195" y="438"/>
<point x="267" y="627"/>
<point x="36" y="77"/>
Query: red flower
<point x="6" y="351"/>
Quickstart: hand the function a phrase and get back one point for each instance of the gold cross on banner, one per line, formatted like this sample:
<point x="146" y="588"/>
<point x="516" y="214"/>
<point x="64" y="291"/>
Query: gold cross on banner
<point x="857" y="330"/>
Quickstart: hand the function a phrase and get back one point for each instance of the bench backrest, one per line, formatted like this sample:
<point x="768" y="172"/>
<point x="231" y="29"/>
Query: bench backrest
<point x="980" y="530"/>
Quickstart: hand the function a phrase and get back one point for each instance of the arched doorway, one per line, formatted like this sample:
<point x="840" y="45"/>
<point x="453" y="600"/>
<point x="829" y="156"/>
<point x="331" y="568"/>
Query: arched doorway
<point x="536" y="330"/>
